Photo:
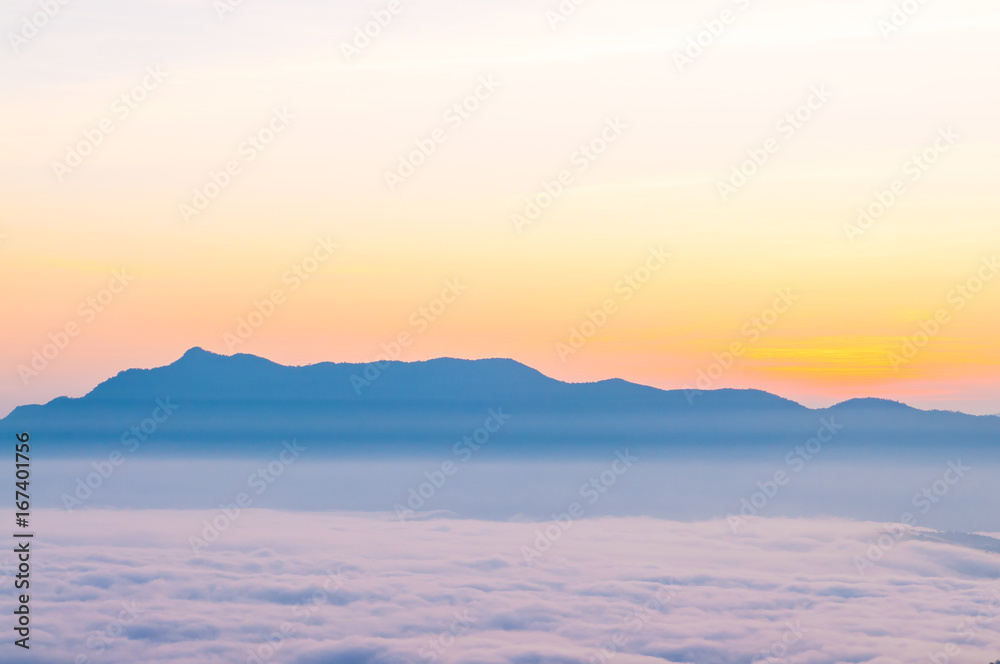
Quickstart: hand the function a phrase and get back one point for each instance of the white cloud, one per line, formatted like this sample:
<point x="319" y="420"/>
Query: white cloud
<point x="460" y="589"/>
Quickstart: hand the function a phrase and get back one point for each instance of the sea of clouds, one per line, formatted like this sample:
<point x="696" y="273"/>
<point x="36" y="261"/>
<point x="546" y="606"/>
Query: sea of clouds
<point x="126" y="586"/>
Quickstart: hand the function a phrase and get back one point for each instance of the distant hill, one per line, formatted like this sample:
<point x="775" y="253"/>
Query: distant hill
<point x="237" y="403"/>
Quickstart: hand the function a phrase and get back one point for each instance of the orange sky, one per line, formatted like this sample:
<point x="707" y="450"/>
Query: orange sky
<point x="593" y="121"/>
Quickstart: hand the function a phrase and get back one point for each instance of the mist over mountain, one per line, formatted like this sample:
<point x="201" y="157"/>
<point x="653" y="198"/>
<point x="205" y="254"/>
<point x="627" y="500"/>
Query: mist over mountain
<point x="209" y="403"/>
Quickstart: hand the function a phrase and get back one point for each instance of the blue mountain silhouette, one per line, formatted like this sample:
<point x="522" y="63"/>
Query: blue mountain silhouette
<point x="233" y="404"/>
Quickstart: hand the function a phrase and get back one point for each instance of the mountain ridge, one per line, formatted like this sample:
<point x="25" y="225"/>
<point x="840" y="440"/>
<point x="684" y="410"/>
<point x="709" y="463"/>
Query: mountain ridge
<point x="198" y="354"/>
<point x="242" y="401"/>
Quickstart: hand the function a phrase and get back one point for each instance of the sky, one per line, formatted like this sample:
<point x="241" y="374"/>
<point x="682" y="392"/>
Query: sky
<point x="263" y="177"/>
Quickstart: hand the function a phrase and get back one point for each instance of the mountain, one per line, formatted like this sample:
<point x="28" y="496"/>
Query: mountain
<point x="232" y="404"/>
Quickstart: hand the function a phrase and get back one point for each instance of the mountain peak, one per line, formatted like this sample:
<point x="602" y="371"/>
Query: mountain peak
<point x="198" y="353"/>
<point x="873" y="403"/>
